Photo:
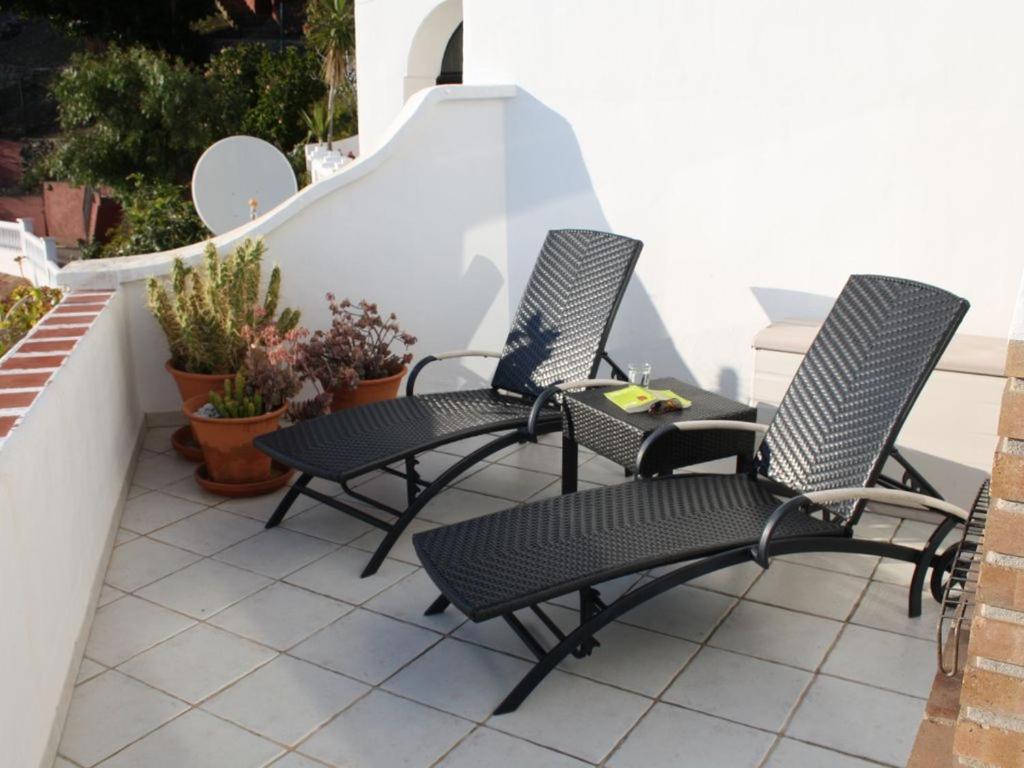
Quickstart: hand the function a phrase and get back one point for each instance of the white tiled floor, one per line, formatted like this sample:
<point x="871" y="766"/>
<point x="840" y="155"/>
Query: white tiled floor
<point x="220" y="644"/>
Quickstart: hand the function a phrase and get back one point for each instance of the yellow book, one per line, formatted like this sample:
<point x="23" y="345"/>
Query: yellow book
<point x="634" y="399"/>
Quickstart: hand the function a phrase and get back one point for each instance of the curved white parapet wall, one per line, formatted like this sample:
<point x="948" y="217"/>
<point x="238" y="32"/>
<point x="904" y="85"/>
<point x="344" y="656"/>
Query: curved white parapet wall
<point x="417" y="225"/>
<point x="108" y="273"/>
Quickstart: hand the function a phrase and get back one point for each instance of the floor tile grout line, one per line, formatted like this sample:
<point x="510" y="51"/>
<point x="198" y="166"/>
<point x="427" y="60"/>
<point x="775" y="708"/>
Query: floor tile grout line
<point x="783" y="730"/>
<point x="338" y="547"/>
<point x="701" y="645"/>
<point x="814" y="674"/>
<point x="869" y="760"/>
<point x="450" y="635"/>
<point x="450" y="632"/>
<point x="119" y="750"/>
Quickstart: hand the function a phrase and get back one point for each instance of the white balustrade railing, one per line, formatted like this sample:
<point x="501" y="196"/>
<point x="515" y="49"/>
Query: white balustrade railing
<point x="22" y="253"/>
<point x="321" y="162"/>
<point x="10" y="235"/>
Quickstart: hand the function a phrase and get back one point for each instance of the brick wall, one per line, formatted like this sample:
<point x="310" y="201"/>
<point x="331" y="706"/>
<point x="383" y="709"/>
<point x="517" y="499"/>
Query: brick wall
<point x="28" y="367"/>
<point x="990" y="727"/>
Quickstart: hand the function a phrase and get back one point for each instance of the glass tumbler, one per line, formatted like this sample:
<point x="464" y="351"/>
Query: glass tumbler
<point x="639" y="374"/>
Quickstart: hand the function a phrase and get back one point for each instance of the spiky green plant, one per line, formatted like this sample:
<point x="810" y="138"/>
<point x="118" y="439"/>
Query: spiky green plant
<point x="236" y="402"/>
<point x="207" y="308"/>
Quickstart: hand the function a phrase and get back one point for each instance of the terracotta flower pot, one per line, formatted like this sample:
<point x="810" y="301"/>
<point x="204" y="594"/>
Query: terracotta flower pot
<point x="227" y="443"/>
<point x="192" y="384"/>
<point x="368" y="391"/>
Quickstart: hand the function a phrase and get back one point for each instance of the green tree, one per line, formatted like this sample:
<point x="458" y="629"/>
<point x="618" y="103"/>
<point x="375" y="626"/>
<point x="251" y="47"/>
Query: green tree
<point x="233" y="81"/>
<point x="156" y="216"/>
<point x="129" y="111"/>
<point x="330" y="29"/>
<point x="162" y="24"/>
<point x="262" y="92"/>
<point x="288" y="83"/>
<point x="137" y="120"/>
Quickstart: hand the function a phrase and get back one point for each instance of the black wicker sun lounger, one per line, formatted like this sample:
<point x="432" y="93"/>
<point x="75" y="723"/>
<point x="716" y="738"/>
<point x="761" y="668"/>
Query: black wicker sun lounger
<point x="558" y="334"/>
<point x="820" y="461"/>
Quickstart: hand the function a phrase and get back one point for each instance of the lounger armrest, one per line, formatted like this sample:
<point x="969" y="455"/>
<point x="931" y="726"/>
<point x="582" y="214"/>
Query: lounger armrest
<point x="423" y="363"/>
<point x="549" y="394"/>
<point x="816" y="499"/>
<point x="692" y="426"/>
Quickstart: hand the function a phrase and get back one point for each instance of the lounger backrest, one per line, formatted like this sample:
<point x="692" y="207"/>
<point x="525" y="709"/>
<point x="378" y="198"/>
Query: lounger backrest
<point x="857" y="383"/>
<point x="567" y="310"/>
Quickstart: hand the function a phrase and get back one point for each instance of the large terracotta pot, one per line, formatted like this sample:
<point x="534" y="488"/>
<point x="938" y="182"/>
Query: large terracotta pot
<point x="368" y="391"/>
<point x="192" y="384"/>
<point x="227" y="443"/>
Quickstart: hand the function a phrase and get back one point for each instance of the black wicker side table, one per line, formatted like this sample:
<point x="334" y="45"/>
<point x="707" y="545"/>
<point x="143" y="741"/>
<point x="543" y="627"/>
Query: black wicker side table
<point x="591" y="420"/>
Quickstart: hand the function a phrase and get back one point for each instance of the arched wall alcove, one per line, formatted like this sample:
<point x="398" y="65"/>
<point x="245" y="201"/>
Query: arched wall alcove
<point x="429" y="45"/>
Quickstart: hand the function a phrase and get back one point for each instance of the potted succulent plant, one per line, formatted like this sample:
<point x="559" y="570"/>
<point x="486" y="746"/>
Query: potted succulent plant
<point x="203" y="316"/>
<point x="249" y="404"/>
<point x="354" y="361"/>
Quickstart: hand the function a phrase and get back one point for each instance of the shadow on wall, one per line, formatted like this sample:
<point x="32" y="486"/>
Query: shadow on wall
<point x="475" y="292"/>
<point x="548" y="187"/>
<point x="446" y="288"/>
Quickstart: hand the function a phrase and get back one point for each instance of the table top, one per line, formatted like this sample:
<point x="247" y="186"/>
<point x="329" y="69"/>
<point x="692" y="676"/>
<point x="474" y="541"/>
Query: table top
<point x="706" y="405"/>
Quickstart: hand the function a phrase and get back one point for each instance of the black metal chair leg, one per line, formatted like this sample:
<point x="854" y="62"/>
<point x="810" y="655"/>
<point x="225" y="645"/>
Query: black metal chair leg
<point x="288" y="500"/>
<point x="437" y="606"/>
<point x="411" y="478"/>
<point x="395" y="530"/>
<point x="398" y="527"/>
<point x="926" y="559"/>
<point x="587" y="629"/>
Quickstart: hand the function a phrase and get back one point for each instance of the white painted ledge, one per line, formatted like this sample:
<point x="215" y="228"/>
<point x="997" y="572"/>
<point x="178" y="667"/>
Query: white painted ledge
<point x="980" y="355"/>
<point x="109" y="273"/>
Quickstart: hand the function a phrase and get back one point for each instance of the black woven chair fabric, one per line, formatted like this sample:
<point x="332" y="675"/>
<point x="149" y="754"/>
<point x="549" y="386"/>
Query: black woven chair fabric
<point x="534" y="552"/>
<point x="834" y="428"/>
<point x="567" y="310"/>
<point x="857" y="384"/>
<point x="596" y="423"/>
<point x="559" y="333"/>
<point x="352" y="442"/>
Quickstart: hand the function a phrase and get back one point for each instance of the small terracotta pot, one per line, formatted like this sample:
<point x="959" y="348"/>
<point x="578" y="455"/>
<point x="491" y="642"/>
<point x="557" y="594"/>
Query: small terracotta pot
<point x="227" y="443"/>
<point x="192" y="384"/>
<point x="367" y="391"/>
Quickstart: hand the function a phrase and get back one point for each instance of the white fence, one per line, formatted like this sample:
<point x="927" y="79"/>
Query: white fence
<point x="321" y="162"/>
<point x="22" y="253"/>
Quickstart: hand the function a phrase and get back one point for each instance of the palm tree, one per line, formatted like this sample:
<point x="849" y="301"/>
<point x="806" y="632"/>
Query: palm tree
<point x="331" y="30"/>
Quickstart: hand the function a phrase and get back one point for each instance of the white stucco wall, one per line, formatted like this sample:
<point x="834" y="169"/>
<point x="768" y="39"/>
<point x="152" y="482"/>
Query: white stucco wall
<point x="399" y="45"/>
<point x="763" y="152"/>
<point x="416" y="225"/>
<point x="63" y="474"/>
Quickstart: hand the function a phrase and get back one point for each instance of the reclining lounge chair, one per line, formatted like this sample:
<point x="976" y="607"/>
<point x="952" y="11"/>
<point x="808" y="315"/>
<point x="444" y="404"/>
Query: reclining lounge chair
<point x="558" y="334"/>
<point x="819" y="462"/>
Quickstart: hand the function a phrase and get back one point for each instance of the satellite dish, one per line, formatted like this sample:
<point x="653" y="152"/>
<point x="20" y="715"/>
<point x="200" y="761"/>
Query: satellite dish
<point x="238" y="178"/>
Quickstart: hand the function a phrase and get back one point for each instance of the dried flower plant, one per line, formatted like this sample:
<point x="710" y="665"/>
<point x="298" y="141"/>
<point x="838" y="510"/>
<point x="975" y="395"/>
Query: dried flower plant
<point x="268" y="378"/>
<point x="358" y="346"/>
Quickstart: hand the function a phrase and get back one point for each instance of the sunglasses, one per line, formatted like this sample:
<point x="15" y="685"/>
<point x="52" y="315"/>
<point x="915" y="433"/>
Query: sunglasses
<point x="664" y="406"/>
